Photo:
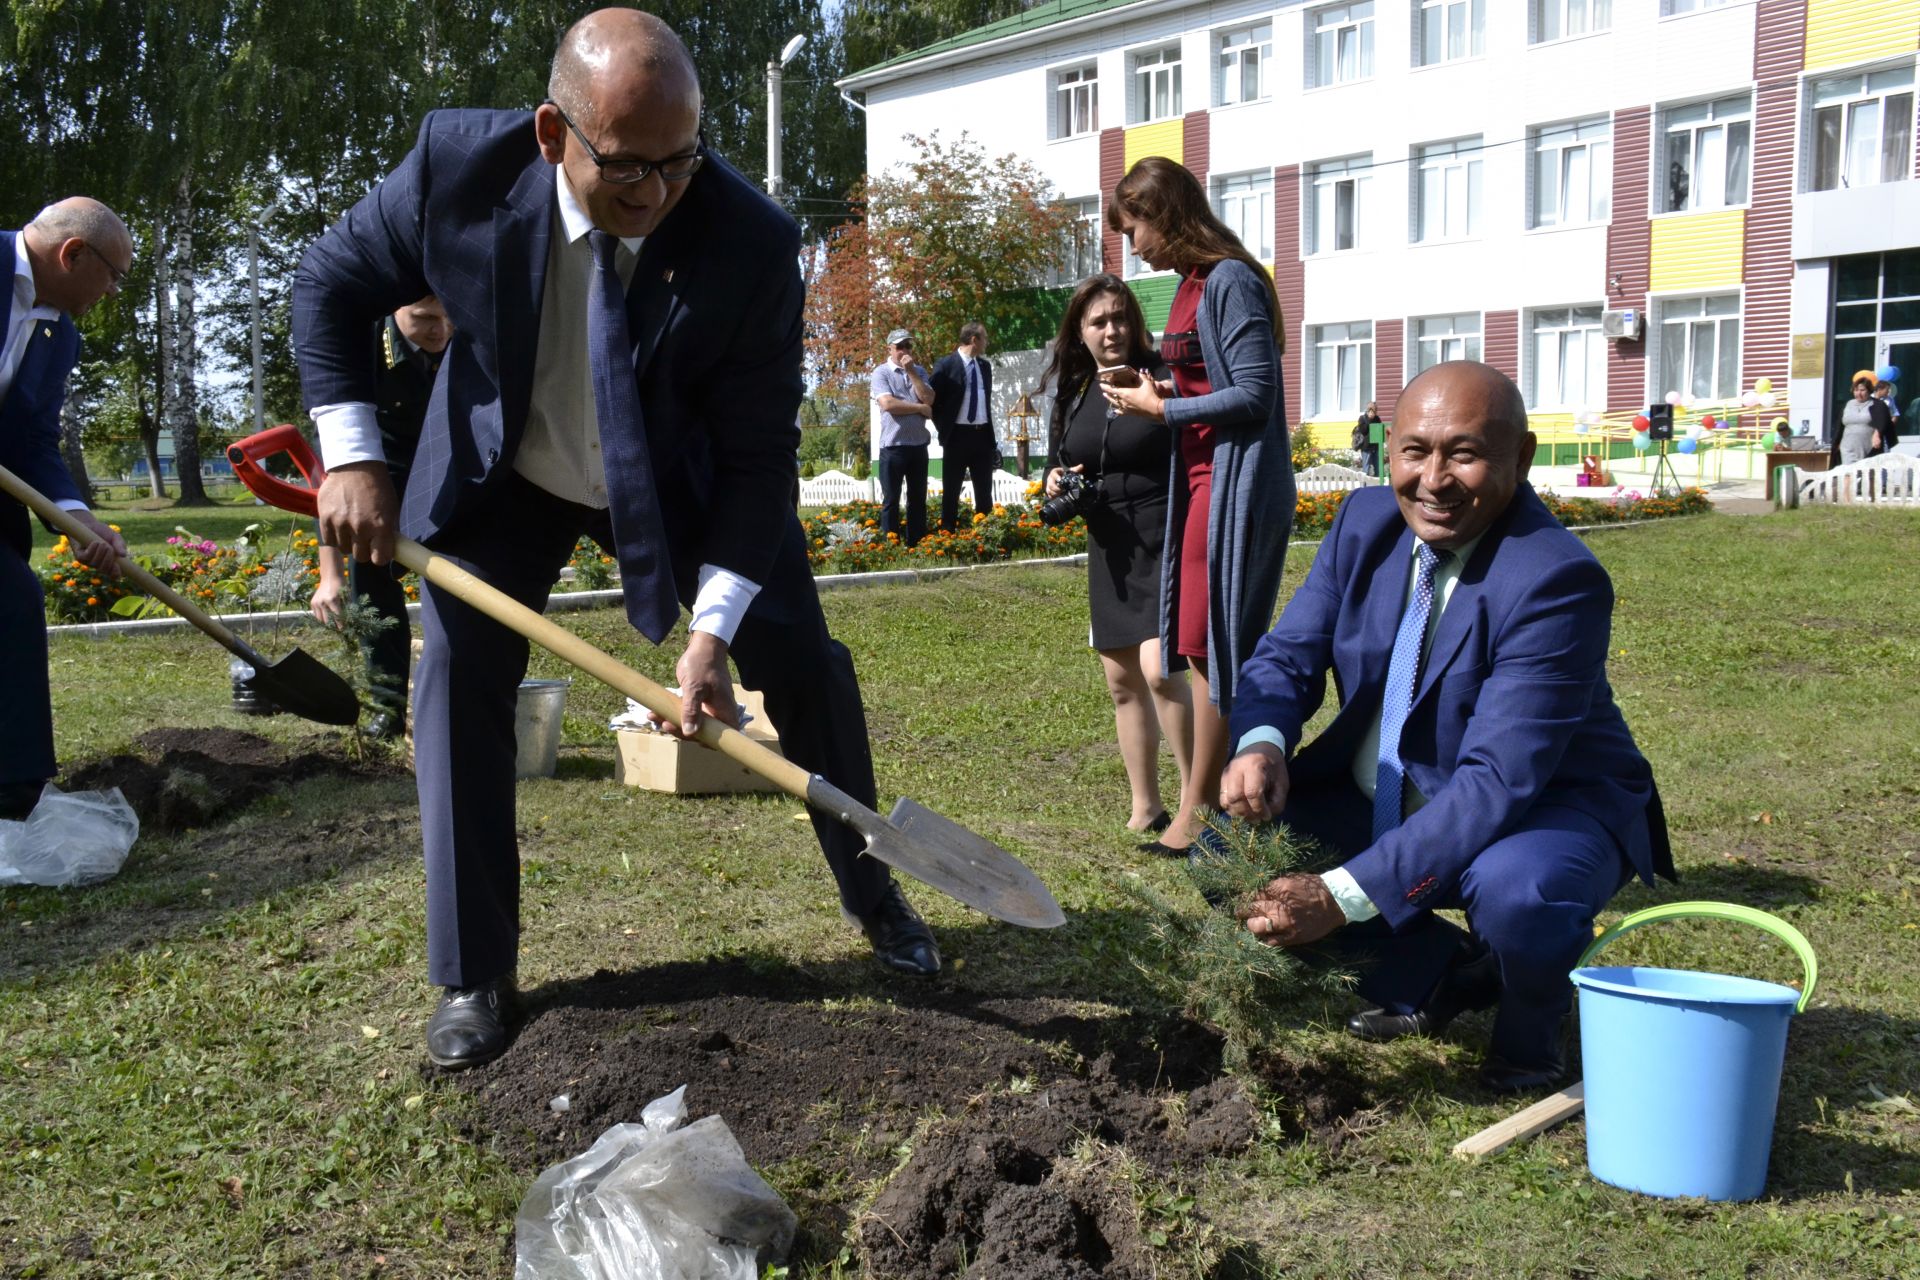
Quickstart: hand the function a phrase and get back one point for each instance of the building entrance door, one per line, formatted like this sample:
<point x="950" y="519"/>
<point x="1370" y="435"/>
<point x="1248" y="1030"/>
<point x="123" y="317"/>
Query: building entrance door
<point x="1902" y="349"/>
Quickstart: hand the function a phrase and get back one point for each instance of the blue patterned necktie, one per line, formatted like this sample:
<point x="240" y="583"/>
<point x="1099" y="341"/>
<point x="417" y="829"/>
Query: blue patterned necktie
<point x="973" y="391"/>
<point x="633" y="503"/>
<point x="1403" y="673"/>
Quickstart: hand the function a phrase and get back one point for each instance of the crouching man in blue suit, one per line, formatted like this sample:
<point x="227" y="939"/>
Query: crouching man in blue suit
<point x="1478" y="760"/>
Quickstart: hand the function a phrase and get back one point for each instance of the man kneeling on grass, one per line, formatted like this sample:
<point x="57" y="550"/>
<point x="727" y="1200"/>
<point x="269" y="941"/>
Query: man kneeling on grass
<point x="1478" y="760"/>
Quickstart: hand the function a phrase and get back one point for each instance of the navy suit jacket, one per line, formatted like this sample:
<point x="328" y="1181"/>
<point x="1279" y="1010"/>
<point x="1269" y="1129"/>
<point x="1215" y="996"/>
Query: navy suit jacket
<point x="1512" y="710"/>
<point x="714" y="310"/>
<point x="30" y="413"/>
<point x="948" y="382"/>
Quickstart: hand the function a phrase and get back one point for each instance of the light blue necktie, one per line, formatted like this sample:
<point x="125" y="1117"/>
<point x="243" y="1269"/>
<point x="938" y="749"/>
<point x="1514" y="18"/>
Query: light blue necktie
<point x="973" y="391"/>
<point x="1403" y="674"/>
<point x="640" y="541"/>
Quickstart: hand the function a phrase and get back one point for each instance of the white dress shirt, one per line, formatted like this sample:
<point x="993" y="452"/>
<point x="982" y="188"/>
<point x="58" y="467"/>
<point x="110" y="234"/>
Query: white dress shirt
<point x="20" y="321"/>
<point x="560" y="451"/>
<point x="972" y="384"/>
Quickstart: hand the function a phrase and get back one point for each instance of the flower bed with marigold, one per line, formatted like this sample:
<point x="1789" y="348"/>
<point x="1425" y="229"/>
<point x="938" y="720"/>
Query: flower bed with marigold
<point x="220" y="578"/>
<point x="1313" y="512"/>
<point x="847" y="538"/>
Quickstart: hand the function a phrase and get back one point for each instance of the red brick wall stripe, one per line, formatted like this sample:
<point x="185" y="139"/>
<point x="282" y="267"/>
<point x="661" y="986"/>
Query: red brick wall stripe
<point x="1195" y="143"/>
<point x="1629" y="253"/>
<point x="1389" y="364"/>
<point x="1500" y="342"/>
<point x="1779" y="50"/>
<point x="1290" y="280"/>
<point x="1113" y="155"/>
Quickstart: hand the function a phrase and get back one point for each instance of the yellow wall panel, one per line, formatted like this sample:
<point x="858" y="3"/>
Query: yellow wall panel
<point x="1843" y="32"/>
<point x="1698" y="251"/>
<point x="1168" y="138"/>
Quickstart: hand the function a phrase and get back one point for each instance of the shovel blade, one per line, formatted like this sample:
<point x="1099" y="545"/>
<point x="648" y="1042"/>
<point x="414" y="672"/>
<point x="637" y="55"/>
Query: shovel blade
<point x="301" y="685"/>
<point x="952" y="859"/>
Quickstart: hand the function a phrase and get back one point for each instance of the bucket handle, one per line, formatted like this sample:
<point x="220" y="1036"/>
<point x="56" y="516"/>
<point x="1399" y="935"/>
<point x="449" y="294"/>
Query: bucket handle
<point x="1719" y="911"/>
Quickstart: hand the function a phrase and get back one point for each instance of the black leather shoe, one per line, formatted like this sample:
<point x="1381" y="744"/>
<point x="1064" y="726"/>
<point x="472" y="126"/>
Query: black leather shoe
<point x="470" y="1026"/>
<point x="1502" y="1076"/>
<point x="1162" y="850"/>
<point x="1473" y="984"/>
<point x="900" y="938"/>
<point x="17" y="799"/>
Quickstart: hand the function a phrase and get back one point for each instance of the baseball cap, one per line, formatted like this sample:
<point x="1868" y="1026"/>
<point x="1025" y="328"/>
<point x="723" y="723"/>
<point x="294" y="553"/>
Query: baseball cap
<point x="898" y="336"/>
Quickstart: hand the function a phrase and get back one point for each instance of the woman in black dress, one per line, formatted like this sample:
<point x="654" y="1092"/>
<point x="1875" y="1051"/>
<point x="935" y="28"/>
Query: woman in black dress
<point x="1130" y="458"/>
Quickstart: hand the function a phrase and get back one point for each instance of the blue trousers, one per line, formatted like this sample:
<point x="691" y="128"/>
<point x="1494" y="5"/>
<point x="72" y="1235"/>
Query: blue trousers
<point x="1531" y="897"/>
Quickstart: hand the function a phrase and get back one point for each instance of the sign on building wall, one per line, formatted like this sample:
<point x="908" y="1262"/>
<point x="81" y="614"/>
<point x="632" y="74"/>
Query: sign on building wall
<point x="1809" y="356"/>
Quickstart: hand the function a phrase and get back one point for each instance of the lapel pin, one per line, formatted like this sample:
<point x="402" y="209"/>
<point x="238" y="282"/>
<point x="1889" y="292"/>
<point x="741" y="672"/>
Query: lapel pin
<point x="667" y="275"/>
<point x="45" y="331"/>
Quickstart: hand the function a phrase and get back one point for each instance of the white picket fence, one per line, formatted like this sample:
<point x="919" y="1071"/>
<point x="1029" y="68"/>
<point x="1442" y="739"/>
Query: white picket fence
<point x="831" y="488"/>
<point x="1331" y="477"/>
<point x="1892" y="479"/>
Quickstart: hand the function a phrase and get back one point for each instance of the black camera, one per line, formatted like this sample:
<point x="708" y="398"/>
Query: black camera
<point x="1079" y="494"/>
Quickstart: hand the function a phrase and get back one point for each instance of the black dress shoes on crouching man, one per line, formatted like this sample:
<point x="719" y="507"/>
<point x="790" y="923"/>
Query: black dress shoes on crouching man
<point x="901" y="939"/>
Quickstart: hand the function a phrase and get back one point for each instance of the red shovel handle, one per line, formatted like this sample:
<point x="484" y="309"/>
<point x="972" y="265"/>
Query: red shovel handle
<point x="247" y="455"/>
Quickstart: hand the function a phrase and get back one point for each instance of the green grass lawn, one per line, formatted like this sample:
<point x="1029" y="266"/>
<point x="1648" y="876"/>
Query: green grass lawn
<point x="211" y="1065"/>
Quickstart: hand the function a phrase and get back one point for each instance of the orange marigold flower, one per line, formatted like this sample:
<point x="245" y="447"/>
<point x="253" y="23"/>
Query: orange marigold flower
<point x="93" y="600"/>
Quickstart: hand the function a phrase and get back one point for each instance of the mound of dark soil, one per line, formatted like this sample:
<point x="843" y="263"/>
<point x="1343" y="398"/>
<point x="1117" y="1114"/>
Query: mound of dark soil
<point x="184" y="778"/>
<point x="1041" y="1106"/>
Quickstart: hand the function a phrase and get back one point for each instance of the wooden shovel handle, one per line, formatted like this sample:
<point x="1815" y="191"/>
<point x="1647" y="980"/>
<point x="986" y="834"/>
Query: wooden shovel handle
<point x="507" y="611"/>
<point x="63" y="520"/>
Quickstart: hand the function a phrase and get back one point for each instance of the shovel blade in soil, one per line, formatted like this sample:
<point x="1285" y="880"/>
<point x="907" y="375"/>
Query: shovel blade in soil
<point x="942" y="853"/>
<point x="301" y="685"/>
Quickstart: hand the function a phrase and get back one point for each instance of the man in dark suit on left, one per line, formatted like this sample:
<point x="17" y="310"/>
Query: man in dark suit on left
<point x="73" y="254"/>
<point x="962" y="383"/>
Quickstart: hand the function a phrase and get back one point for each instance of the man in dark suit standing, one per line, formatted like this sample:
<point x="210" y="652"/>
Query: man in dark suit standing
<point x="1478" y="760"/>
<point x="71" y="255"/>
<point x="625" y="363"/>
<point x="963" y="415"/>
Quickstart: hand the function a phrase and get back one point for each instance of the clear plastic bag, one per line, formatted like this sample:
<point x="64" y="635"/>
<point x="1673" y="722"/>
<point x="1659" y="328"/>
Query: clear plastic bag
<point x="653" y="1201"/>
<point x="76" y="839"/>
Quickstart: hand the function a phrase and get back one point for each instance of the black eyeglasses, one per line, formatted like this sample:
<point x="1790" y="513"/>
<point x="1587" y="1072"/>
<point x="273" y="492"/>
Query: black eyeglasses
<point x="625" y="172"/>
<point x="117" y="273"/>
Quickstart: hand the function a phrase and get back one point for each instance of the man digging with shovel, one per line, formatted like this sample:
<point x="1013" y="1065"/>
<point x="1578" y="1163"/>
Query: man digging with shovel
<point x="625" y="363"/>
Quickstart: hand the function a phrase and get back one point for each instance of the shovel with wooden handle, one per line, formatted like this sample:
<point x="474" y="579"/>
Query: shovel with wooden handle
<point x="912" y="839"/>
<point x="295" y="683"/>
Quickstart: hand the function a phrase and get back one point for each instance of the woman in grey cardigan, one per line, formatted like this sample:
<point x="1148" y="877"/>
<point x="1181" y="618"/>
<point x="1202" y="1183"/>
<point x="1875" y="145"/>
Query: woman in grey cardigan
<point x="1232" y="495"/>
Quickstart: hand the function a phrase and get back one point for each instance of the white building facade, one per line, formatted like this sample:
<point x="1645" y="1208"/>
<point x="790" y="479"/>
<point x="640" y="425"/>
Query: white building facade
<point x="1607" y="199"/>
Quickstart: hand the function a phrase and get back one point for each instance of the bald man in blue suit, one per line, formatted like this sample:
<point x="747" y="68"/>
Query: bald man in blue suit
<point x="74" y="253"/>
<point x="1478" y="760"/>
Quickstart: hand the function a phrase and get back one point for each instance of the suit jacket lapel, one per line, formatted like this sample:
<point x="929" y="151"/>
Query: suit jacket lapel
<point x="655" y="293"/>
<point x="521" y="229"/>
<point x="1380" y="619"/>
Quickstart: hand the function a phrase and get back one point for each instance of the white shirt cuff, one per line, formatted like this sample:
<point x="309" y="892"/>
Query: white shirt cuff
<point x="1353" y="900"/>
<point x="73" y="504"/>
<point x="1264" y="733"/>
<point x="721" y="602"/>
<point x="348" y="432"/>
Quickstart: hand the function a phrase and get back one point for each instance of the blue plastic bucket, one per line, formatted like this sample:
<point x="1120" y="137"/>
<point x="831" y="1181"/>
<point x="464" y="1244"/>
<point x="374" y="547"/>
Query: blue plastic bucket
<point x="1683" y="1068"/>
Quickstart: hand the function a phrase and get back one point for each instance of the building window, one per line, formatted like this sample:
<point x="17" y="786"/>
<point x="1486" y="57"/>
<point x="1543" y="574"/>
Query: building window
<point x="1447" y="200"/>
<point x="1449" y="30"/>
<point x="1557" y="19"/>
<point x="1246" y="54"/>
<point x="1569" y="364"/>
<point x="1700" y="347"/>
<point x="1342" y="48"/>
<point x="1572" y="172"/>
<point x="1244" y="201"/>
<point x="1076" y="101"/>
<point x="1670" y="7"/>
<point x="1874" y="294"/>
<point x="1079" y="244"/>
<point x="1342" y="368"/>
<point x="1339" y="195"/>
<point x="1156" y="84"/>
<point x="1709" y="154"/>
<point x="1862" y="128"/>
<point x="1437" y="339"/>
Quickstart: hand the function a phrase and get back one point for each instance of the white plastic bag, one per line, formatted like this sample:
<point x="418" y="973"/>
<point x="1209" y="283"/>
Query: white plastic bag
<point x="653" y="1201"/>
<point x="75" y="839"/>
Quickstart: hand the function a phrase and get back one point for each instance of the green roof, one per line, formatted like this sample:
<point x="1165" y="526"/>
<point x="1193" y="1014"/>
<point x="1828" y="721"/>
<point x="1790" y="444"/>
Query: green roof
<point x="1040" y="16"/>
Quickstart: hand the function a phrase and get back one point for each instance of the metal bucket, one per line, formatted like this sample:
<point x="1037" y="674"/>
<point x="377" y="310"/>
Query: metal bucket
<point x="536" y="727"/>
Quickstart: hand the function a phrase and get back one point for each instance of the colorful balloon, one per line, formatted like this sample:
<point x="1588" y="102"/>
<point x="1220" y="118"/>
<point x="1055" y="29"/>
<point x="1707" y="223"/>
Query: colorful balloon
<point x="1641" y="440"/>
<point x="1641" y="422"/>
<point x="1888" y="373"/>
<point x="1709" y="422"/>
<point x="1767" y="399"/>
<point x="1763" y="386"/>
<point x="1689" y="445"/>
<point x="1673" y="397"/>
<point x="1579" y="428"/>
<point x="1751" y="399"/>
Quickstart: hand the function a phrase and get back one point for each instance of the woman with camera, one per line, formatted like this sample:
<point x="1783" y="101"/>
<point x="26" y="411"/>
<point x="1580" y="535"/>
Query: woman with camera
<point x="1231" y="499"/>
<point x="1113" y="468"/>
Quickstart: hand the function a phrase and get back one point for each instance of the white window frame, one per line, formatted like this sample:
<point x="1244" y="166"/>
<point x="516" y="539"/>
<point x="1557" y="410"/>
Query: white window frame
<point x="1882" y="88"/>
<point x="1073" y="98"/>
<point x="1243" y="201"/>
<point x="1080" y="244"/>
<point x="1344" y="32"/>
<point x="1679" y="8"/>
<point x="1328" y="181"/>
<point x="1581" y="162"/>
<point x="1434" y="339"/>
<point x="1709" y="144"/>
<point x="1551" y="20"/>
<point x="1685" y="324"/>
<point x="1340" y="349"/>
<point x="1447" y="20"/>
<point x="1460" y="167"/>
<point x="1238" y="52"/>
<point x="1154" y="76"/>
<point x="1573" y="327"/>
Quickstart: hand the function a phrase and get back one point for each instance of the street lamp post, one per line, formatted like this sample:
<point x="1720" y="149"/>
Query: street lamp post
<point x="776" y="183"/>
<point x="253" y="288"/>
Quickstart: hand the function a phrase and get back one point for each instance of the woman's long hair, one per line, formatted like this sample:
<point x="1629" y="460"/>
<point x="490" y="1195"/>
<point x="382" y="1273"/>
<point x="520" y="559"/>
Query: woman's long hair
<point x="1167" y="197"/>
<point x="1072" y="364"/>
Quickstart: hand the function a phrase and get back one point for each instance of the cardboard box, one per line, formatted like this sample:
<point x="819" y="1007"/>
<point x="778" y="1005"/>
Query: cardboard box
<point x="658" y="762"/>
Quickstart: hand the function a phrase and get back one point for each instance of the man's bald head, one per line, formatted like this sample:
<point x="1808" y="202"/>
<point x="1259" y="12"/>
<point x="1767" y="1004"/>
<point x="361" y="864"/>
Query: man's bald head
<point x="81" y="218"/>
<point x="79" y="250"/>
<point x="614" y="52"/>
<point x="1458" y="450"/>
